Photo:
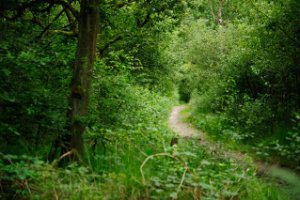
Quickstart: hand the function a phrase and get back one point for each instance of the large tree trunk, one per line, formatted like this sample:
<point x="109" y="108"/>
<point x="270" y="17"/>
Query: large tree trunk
<point x="82" y="75"/>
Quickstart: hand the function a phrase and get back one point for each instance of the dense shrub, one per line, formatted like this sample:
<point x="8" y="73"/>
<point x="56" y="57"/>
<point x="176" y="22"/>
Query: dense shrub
<point x="34" y="81"/>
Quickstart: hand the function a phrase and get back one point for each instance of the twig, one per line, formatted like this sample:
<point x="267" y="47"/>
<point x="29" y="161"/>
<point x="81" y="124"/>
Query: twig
<point x="56" y="161"/>
<point x="65" y="154"/>
<point x="148" y="158"/>
<point x="28" y="188"/>
<point x="55" y="194"/>
<point x="182" y="179"/>
<point x="168" y="155"/>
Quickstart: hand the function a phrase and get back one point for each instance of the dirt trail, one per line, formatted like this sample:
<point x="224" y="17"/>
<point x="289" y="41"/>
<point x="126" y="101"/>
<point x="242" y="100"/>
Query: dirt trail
<point x="186" y="131"/>
<point x="183" y="129"/>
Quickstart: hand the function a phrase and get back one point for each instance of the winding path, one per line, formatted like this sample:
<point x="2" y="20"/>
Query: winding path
<point x="183" y="129"/>
<point x="186" y="131"/>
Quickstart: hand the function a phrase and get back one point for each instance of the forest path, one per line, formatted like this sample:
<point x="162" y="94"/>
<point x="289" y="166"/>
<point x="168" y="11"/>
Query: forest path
<point x="186" y="131"/>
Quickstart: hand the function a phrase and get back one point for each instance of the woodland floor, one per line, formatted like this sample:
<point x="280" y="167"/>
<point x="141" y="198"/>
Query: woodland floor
<point x="177" y="122"/>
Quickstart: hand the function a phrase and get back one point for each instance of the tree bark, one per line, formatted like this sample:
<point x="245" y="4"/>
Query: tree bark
<point x="82" y="75"/>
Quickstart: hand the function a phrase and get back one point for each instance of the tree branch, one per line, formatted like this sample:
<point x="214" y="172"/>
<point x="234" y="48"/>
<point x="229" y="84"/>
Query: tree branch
<point x="63" y="32"/>
<point x="220" y="19"/>
<point x="72" y="20"/>
<point x="49" y="25"/>
<point x="140" y="23"/>
<point x="217" y="18"/>
<point x="66" y="5"/>
<point x="107" y="45"/>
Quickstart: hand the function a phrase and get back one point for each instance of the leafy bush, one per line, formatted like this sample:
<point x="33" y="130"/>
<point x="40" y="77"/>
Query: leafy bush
<point x="34" y="81"/>
<point x="285" y="148"/>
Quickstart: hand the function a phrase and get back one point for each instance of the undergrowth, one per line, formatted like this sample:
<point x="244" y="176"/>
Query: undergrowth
<point x="133" y="159"/>
<point x="207" y="177"/>
<point x="282" y="147"/>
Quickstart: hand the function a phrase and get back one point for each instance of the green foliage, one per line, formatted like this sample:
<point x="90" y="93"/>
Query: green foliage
<point x="284" y="146"/>
<point x="24" y="177"/>
<point x="241" y="79"/>
<point x="242" y="76"/>
<point x="208" y="177"/>
<point x="34" y="80"/>
<point x="136" y="30"/>
<point x="126" y="117"/>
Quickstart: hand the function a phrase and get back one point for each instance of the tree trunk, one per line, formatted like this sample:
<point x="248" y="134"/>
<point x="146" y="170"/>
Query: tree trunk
<point x="82" y="75"/>
<point x="218" y="18"/>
